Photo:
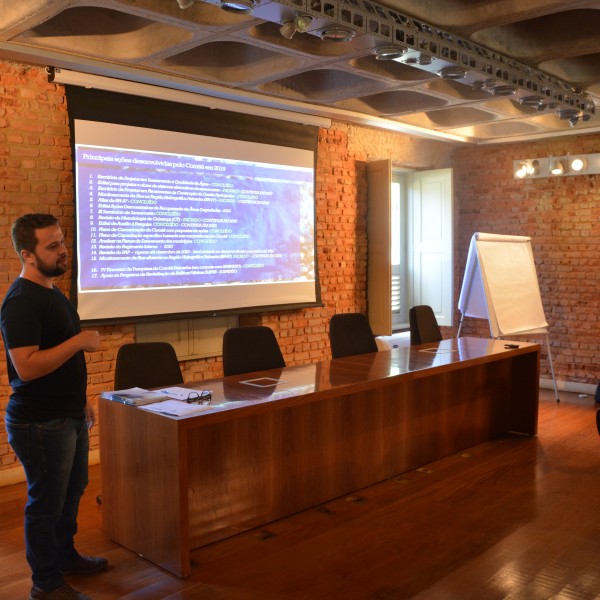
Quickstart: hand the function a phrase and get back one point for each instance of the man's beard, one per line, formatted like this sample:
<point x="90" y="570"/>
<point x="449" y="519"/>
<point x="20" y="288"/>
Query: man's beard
<point x="48" y="270"/>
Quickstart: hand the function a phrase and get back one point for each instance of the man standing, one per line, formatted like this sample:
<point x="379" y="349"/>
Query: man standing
<point x="47" y="417"/>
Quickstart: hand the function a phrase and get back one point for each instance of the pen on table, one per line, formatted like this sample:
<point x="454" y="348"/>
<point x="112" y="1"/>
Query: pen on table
<point x="174" y="394"/>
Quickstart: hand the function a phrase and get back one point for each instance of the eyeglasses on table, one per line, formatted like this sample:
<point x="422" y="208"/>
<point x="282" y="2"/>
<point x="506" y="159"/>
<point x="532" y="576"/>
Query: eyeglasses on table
<point x="203" y="397"/>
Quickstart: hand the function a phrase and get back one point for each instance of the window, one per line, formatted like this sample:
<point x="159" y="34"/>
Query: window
<point x="409" y="245"/>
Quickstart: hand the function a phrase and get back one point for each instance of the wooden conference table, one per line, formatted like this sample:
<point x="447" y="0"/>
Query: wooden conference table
<point x="172" y="484"/>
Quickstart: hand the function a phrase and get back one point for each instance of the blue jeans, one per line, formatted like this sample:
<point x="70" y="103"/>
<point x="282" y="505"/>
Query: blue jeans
<point x="54" y="455"/>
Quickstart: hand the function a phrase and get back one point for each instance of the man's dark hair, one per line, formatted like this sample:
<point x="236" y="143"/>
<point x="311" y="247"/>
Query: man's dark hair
<point x="24" y="228"/>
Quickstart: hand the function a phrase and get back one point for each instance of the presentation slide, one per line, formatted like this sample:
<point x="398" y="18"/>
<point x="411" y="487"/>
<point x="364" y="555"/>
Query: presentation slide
<point x="171" y="223"/>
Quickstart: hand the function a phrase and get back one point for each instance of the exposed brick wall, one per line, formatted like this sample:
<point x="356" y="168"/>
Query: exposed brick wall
<point x="562" y="216"/>
<point x="36" y="175"/>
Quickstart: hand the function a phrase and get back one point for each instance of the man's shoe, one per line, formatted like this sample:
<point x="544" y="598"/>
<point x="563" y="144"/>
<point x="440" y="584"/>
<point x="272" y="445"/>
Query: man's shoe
<point x="83" y="565"/>
<point x="64" y="592"/>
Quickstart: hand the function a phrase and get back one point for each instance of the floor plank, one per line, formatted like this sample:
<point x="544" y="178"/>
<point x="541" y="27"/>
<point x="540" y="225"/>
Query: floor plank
<point x="512" y="519"/>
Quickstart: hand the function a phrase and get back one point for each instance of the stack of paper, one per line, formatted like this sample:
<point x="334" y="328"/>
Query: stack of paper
<point x="176" y="408"/>
<point x="134" y="396"/>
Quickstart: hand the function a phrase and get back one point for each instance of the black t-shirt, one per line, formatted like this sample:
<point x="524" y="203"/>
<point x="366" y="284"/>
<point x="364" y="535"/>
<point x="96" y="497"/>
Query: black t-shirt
<point x="33" y="315"/>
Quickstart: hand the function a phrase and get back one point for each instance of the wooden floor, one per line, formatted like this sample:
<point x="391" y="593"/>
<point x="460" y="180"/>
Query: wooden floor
<point x="514" y="519"/>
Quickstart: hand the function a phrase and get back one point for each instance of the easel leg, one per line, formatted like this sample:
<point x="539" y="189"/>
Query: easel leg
<point x="552" y="367"/>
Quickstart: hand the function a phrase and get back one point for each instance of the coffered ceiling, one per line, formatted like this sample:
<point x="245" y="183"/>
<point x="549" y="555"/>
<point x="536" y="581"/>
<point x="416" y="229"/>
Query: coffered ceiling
<point x="484" y="71"/>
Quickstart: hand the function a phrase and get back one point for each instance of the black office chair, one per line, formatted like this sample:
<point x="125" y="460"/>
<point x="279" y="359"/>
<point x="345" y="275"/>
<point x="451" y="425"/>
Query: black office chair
<point x="147" y="365"/>
<point x="349" y="334"/>
<point x="424" y="327"/>
<point x="249" y="349"/>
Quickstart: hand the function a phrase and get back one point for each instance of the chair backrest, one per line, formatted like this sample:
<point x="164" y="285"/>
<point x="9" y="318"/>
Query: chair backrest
<point x="249" y="349"/>
<point x="424" y="327"/>
<point x="349" y="334"/>
<point x="147" y="365"/>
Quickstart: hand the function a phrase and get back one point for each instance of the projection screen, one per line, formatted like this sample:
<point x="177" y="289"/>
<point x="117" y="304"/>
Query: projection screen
<point x="170" y="223"/>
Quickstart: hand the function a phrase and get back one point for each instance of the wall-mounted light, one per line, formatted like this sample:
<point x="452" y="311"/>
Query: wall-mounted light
<point x="183" y="4"/>
<point x="577" y="164"/>
<point x="557" y="166"/>
<point x="527" y="168"/>
<point x="521" y="170"/>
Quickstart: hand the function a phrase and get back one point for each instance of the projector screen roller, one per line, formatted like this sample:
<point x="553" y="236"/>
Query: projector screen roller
<point x="173" y="223"/>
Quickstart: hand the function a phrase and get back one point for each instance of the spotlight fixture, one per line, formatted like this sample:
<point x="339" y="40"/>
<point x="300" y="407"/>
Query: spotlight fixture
<point x="527" y="168"/>
<point x="485" y="85"/>
<point x="388" y="52"/>
<point x="503" y="90"/>
<point x="569" y="114"/>
<point x="558" y="167"/>
<point x="240" y="7"/>
<point x="577" y="164"/>
<point x="300" y="24"/>
<point x="183" y="4"/>
<point x="452" y="73"/>
<point x="521" y="171"/>
<point x="422" y="59"/>
<point x="337" y="34"/>
<point x="533" y="102"/>
<point x="287" y="30"/>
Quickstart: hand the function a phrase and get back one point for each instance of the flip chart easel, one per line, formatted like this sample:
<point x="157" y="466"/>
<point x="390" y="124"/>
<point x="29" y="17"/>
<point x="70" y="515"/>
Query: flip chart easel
<point x="500" y="284"/>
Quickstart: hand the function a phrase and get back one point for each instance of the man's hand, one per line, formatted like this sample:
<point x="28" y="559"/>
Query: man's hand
<point x="90" y="416"/>
<point x="89" y="340"/>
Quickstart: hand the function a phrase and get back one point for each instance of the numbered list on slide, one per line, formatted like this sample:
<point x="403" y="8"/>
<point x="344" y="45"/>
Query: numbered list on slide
<point x="154" y="220"/>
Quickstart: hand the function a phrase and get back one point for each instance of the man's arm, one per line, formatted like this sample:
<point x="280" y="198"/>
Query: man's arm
<point x="32" y="363"/>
